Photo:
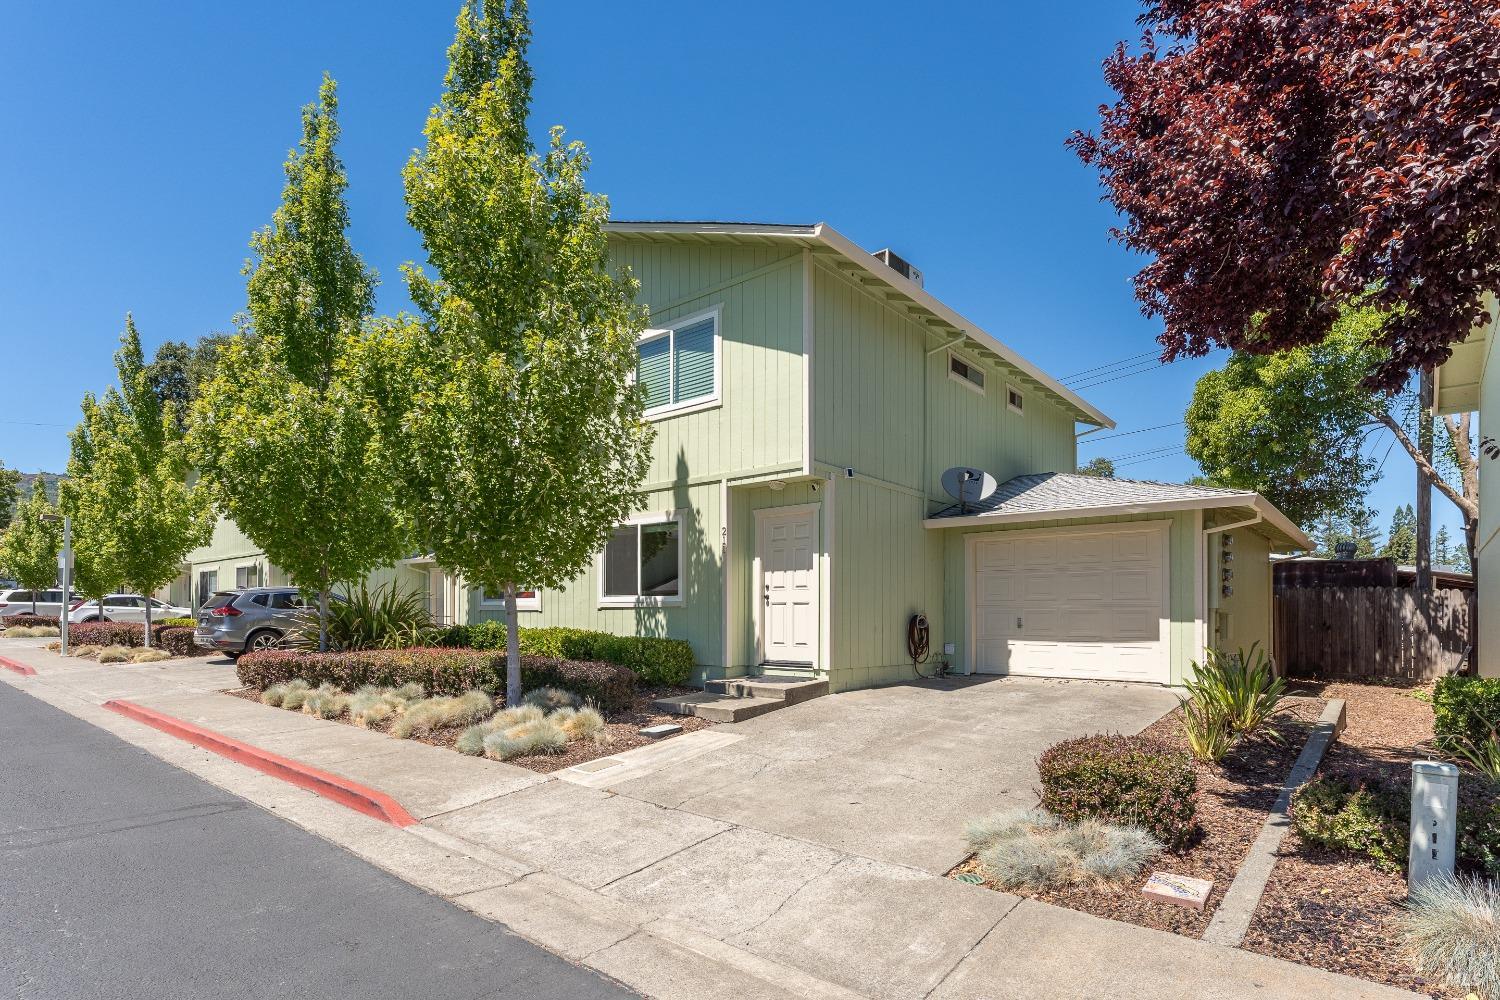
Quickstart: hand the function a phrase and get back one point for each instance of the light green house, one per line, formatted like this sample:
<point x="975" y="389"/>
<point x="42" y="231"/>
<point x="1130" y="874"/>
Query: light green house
<point x="808" y="397"/>
<point x="1470" y="381"/>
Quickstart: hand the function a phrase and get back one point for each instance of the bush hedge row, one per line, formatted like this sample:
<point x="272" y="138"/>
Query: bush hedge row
<point x="175" y="639"/>
<point x="1122" y="779"/>
<point x="30" y="621"/>
<point x="657" y="662"/>
<point x="1467" y="708"/>
<point x="445" y="671"/>
<point x="1374" y="819"/>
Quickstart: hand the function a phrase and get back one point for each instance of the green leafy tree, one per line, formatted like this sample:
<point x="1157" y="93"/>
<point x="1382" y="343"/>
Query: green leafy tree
<point x="178" y="370"/>
<point x="284" y="428"/>
<point x="29" y="546"/>
<point x="135" y="515"/>
<point x="520" y="442"/>
<point x="1099" y="466"/>
<point x="1442" y="547"/>
<point x="1293" y="426"/>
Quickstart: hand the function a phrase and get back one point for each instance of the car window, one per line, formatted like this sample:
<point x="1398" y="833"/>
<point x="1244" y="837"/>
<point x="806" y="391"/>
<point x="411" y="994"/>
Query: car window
<point x="159" y="604"/>
<point x="20" y="596"/>
<point x="51" y="596"/>
<point x="219" y="600"/>
<point x="286" y="601"/>
<point x="260" y="599"/>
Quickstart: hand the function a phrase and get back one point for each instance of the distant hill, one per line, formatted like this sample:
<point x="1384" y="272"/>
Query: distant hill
<point x="49" y="483"/>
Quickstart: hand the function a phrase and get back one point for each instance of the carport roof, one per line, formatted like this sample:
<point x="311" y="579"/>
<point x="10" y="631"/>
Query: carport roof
<point x="1050" y="496"/>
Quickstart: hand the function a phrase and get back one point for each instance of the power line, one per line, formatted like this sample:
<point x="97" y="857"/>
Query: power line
<point x="1151" y="367"/>
<point x="1173" y="453"/>
<point x="1112" y="364"/>
<point x="1110" y="437"/>
<point x="30" y="423"/>
<point x="1139" y="455"/>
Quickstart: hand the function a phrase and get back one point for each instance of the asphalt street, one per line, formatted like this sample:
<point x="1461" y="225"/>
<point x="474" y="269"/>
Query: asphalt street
<point x="123" y="877"/>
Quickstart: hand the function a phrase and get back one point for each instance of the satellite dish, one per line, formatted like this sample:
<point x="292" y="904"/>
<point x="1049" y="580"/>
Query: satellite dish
<point x="969" y="486"/>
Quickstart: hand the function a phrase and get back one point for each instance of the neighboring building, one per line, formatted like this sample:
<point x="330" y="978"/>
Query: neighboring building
<point x="808" y="397"/>
<point x="1469" y="382"/>
<point x="1301" y="572"/>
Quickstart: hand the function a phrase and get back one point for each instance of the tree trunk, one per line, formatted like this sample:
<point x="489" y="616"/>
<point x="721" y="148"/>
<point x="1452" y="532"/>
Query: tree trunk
<point x="147" y="638"/>
<point x="512" y="649"/>
<point x="323" y="615"/>
<point x="1424" y="482"/>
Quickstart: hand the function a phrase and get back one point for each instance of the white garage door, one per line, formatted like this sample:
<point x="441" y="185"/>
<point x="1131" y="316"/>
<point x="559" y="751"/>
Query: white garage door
<point x="1086" y="602"/>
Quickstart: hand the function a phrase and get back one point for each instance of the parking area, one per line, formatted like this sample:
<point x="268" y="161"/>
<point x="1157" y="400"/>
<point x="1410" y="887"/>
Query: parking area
<point x="894" y="773"/>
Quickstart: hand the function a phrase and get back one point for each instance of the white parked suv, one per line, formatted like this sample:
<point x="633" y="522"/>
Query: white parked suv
<point x="125" y="608"/>
<point x="18" y="602"/>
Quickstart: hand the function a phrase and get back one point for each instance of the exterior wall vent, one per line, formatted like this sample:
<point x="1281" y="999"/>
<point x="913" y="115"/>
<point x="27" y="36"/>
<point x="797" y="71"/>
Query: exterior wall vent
<point x="900" y="265"/>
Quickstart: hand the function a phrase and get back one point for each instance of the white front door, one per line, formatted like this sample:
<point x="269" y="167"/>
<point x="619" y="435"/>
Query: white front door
<point x="1085" y="602"/>
<point x="787" y="562"/>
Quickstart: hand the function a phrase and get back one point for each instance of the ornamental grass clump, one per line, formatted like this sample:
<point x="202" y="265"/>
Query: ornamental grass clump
<point x="551" y="698"/>
<point x="84" y="652"/>
<point x="276" y="694"/>
<point x="526" y="739"/>
<point x="152" y="655"/>
<point x="581" y="724"/>
<point x="1031" y="848"/>
<point x="423" y="717"/>
<point x="325" y="702"/>
<point x="1453" y="932"/>
<point x="114" y="654"/>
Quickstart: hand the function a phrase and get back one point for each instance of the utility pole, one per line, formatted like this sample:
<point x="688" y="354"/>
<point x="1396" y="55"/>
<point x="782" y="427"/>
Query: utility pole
<point x="1424" y="483"/>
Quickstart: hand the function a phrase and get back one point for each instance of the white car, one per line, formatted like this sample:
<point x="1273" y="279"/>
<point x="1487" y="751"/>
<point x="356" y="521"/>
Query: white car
<point x="125" y="608"/>
<point x="19" y="602"/>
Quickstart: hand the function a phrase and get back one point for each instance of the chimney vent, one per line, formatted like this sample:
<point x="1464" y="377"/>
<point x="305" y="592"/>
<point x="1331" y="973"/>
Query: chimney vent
<point x="900" y="265"/>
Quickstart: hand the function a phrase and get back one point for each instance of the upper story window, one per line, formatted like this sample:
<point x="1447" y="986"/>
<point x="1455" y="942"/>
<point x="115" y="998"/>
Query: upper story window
<point x="679" y="365"/>
<point x="1014" y="399"/>
<point x="965" y="372"/>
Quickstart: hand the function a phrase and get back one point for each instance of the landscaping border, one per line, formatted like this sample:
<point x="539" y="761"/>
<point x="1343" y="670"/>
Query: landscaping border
<point x="1232" y="919"/>
<point x="341" y="790"/>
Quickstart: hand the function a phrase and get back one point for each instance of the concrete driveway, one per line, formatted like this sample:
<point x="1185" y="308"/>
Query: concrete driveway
<point x="894" y="773"/>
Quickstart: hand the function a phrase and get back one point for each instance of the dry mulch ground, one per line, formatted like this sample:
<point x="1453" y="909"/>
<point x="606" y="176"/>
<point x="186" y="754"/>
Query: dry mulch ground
<point x="623" y="729"/>
<point x="1233" y="800"/>
<point x="1338" y="911"/>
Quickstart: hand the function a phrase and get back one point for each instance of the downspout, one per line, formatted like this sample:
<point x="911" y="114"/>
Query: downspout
<point x="807" y="362"/>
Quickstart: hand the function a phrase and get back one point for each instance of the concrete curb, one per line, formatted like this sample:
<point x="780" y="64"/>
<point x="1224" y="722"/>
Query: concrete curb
<point x="19" y="668"/>
<point x="1232" y="919"/>
<point x="355" y="796"/>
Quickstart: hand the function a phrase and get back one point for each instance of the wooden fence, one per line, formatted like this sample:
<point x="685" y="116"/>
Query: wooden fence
<point x="1372" y="632"/>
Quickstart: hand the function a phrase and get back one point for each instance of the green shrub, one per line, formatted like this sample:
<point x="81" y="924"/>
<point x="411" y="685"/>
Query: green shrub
<point x="657" y="662"/>
<point x="178" y="640"/>
<point x="175" y="639"/>
<point x="1374" y="820"/>
<point x="29" y="621"/>
<point x="439" y="671"/>
<point x="176" y="622"/>
<point x="1209" y="735"/>
<point x="1453" y="931"/>
<point x="1467" y="709"/>
<point x="1126" y="780"/>
<point x="1337" y="815"/>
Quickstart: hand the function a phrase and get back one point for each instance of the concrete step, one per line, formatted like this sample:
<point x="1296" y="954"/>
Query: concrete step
<point x="792" y="690"/>
<point x="718" y="707"/>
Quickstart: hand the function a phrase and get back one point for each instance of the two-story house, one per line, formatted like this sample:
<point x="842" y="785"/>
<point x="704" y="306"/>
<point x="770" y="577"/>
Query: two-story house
<point x="808" y="398"/>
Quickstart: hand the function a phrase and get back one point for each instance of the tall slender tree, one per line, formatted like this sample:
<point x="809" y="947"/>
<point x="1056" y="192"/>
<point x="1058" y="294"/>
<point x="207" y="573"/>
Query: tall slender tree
<point x="9" y="494"/>
<point x="521" y="442"/>
<point x="137" y="515"/>
<point x="29" y="546"/>
<point x="284" y="428"/>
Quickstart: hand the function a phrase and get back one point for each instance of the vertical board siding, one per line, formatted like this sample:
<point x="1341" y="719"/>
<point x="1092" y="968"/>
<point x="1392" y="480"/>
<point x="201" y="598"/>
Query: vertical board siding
<point x="758" y="423"/>
<point x="1488" y="580"/>
<point x="746" y="500"/>
<point x="1181" y="629"/>
<point x="887" y="567"/>
<point x="697" y="619"/>
<point x="1372" y="632"/>
<point x="1249" y="607"/>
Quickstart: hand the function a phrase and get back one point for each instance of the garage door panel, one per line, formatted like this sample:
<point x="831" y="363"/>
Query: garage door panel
<point x="1090" y="604"/>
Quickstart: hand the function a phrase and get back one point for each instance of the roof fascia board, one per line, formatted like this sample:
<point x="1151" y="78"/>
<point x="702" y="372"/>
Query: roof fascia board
<point x="1098" y="510"/>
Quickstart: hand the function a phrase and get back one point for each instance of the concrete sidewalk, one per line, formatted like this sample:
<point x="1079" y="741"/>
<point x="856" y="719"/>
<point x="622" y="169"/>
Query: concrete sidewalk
<point x="670" y="901"/>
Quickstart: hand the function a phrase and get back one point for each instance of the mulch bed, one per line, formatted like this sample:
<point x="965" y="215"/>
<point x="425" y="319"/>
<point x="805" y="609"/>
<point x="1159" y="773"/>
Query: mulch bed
<point x="623" y="729"/>
<point x="1233" y="801"/>
<point x="1338" y="911"/>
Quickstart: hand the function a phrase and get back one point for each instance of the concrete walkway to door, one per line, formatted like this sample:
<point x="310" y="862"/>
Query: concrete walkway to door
<point x="894" y="773"/>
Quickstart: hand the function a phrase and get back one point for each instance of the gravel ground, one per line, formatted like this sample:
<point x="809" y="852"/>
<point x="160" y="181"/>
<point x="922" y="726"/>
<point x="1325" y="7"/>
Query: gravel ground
<point x="1338" y="911"/>
<point x="621" y="728"/>
<point x="1233" y="800"/>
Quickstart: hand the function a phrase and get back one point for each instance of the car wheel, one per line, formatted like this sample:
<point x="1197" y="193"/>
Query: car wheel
<point x="264" y="639"/>
<point x="96" y="618"/>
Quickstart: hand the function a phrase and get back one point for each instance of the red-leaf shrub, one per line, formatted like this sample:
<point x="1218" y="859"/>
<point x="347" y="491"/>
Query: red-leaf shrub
<point x="439" y="671"/>
<point x="29" y="621"/>
<point x="1122" y="779"/>
<point x="175" y="639"/>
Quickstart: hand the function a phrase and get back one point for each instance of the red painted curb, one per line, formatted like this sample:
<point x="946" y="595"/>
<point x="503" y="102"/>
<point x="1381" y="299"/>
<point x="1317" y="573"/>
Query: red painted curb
<point x="330" y="786"/>
<point x="19" y="668"/>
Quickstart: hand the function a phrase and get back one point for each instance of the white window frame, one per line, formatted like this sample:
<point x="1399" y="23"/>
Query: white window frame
<point x="1011" y="387"/>
<point x="647" y="600"/>
<point x="973" y="367"/>
<point x="485" y="602"/>
<point x="669" y="331"/>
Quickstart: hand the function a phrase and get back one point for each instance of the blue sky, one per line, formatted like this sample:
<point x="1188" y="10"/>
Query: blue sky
<point x="144" y="144"/>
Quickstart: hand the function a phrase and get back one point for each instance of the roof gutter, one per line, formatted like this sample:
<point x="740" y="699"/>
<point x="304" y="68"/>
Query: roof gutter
<point x="1099" y="510"/>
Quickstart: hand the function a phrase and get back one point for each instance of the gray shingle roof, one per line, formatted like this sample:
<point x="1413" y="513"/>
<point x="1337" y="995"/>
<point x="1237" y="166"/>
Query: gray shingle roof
<point x="1060" y="492"/>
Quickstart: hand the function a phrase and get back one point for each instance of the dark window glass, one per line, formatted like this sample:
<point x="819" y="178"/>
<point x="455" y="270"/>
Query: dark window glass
<point x="622" y="563"/>
<point x="659" y="551"/>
